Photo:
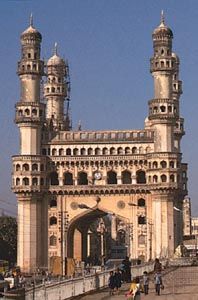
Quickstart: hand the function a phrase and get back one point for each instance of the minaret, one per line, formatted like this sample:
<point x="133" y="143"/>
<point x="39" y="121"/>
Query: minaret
<point x="163" y="110"/>
<point x="28" y="167"/>
<point x="56" y="90"/>
<point x="29" y="110"/>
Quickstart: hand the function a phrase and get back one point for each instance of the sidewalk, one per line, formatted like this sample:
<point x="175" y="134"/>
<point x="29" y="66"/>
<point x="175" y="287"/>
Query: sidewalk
<point x="192" y="294"/>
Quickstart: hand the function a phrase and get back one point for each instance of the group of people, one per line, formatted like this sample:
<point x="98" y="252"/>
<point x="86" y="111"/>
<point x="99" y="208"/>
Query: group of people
<point x="115" y="281"/>
<point x="138" y="285"/>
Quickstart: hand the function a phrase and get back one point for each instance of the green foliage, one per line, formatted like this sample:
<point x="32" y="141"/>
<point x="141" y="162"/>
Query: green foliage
<point x="8" y="239"/>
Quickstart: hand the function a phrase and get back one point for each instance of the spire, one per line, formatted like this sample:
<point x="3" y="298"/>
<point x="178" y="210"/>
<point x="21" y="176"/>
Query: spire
<point x="162" y="19"/>
<point x="55" y="49"/>
<point x="31" y="20"/>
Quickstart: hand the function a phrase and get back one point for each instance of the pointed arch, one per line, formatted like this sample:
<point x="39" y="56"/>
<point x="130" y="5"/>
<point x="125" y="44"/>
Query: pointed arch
<point x="141" y="176"/>
<point x="126" y="177"/>
<point x="111" y="177"/>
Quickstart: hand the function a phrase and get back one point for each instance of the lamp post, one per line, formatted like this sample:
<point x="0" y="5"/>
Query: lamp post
<point x="131" y="229"/>
<point x="63" y="223"/>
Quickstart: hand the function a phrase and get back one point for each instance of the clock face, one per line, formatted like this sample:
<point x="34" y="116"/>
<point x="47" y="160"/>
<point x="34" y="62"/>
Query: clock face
<point x="97" y="175"/>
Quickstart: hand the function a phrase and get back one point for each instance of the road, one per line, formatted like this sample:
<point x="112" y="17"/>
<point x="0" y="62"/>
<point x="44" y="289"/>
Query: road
<point x="180" y="284"/>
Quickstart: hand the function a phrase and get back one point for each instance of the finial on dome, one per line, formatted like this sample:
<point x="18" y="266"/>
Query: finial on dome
<point x="31" y="20"/>
<point x="55" y="49"/>
<point x="162" y="20"/>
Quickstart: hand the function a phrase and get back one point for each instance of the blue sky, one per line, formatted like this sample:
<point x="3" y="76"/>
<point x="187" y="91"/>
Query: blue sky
<point x="108" y="44"/>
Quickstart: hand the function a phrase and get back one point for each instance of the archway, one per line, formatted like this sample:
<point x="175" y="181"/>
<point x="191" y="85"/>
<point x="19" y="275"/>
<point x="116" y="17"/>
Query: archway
<point x="95" y="235"/>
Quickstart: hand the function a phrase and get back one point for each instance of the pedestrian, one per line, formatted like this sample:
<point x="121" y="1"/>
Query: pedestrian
<point x="157" y="266"/>
<point x="117" y="280"/>
<point x="145" y="282"/>
<point x="157" y="279"/>
<point x="111" y="283"/>
<point x="134" y="291"/>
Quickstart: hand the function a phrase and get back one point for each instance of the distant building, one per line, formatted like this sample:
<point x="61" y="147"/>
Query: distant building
<point x="187" y="229"/>
<point x="195" y="226"/>
<point x="65" y="180"/>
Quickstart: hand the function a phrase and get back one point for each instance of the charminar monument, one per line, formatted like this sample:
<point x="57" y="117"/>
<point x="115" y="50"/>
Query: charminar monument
<point x="89" y="195"/>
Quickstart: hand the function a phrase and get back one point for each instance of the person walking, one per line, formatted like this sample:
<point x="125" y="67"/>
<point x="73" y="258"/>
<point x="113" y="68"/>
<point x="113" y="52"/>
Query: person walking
<point x="111" y="283"/>
<point x="157" y="279"/>
<point x="117" y="280"/>
<point x="134" y="291"/>
<point x="145" y="283"/>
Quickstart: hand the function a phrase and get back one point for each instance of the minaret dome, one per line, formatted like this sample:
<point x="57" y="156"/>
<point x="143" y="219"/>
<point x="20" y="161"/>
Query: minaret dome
<point x="31" y="33"/>
<point x="162" y="31"/>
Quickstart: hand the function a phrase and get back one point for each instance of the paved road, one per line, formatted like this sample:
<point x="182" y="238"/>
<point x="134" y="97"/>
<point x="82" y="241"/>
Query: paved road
<point x="180" y="284"/>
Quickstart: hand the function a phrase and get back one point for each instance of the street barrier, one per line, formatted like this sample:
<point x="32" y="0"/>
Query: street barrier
<point x="67" y="289"/>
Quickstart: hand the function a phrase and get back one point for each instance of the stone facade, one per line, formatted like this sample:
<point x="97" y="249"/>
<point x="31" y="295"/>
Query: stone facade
<point x="92" y="193"/>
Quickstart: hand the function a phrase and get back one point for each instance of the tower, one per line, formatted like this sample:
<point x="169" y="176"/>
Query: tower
<point x="28" y="167"/>
<point x="165" y="120"/>
<point x="56" y="89"/>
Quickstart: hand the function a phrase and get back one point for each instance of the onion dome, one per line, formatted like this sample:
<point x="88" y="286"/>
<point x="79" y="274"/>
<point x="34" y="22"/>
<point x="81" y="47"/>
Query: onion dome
<point x="31" y="32"/>
<point x="162" y="30"/>
<point x="55" y="60"/>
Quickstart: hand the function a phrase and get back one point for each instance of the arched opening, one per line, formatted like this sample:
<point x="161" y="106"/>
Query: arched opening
<point x="141" y="202"/>
<point x="105" y="151"/>
<point x="53" y="221"/>
<point x="17" y="181"/>
<point x="120" y="150"/>
<point x="126" y="177"/>
<point x="162" y="108"/>
<point x="172" y="164"/>
<point x="25" y="181"/>
<point x="163" y="164"/>
<point x="35" y="167"/>
<point x="76" y="151"/>
<point x="25" y="167"/>
<point x="155" y="165"/>
<point x="27" y="112"/>
<point x="54" y="152"/>
<point x="90" y="151"/>
<point x="163" y="178"/>
<point x="18" y="167"/>
<point x="141" y="150"/>
<point x="82" y="178"/>
<point x="134" y="150"/>
<point x="141" y="220"/>
<point x="34" y="181"/>
<point x="97" y="151"/>
<point x="172" y="178"/>
<point x="155" y="179"/>
<point x="83" y="151"/>
<point x="53" y="203"/>
<point x="68" y="178"/>
<point x="112" y="151"/>
<point x="52" y="240"/>
<point x="54" y="178"/>
<point x="111" y="177"/>
<point x="127" y="150"/>
<point x="91" y="238"/>
<point x="141" y="177"/>
<point x="68" y="151"/>
<point x="61" y="151"/>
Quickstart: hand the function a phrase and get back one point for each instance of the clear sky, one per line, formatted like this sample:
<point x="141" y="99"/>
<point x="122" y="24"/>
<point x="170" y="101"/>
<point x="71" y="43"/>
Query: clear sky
<point x="108" y="44"/>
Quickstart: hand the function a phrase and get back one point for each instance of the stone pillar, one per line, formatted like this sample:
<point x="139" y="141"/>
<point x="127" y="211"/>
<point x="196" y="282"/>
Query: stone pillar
<point x="32" y="234"/>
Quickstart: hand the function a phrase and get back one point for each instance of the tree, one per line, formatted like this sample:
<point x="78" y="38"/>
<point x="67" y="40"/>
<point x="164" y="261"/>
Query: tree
<point x="8" y="239"/>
